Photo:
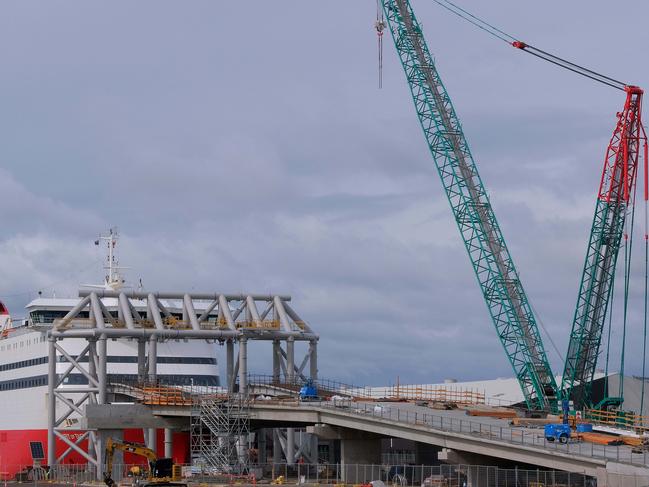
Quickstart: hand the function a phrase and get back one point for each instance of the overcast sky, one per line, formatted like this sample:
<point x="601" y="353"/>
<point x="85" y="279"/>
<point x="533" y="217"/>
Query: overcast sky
<point x="244" y="146"/>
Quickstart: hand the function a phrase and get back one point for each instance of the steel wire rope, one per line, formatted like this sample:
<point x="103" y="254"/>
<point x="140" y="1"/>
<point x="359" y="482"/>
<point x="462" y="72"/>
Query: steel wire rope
<point x="628" y="247"/>
<point x="579" y="67"/>
<point x="480" y="24"/>
<point x="547" y="333"/>
<point x="528" y="48"/>
<point x="550" y="60"/>
<point x="496" y="29"/>
<point x="646" y="282"/>
<point x="608" y="339"/>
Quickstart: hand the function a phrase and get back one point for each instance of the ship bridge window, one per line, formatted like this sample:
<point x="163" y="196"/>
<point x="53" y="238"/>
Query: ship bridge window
<point x="132" y="359"/>
<point x="46" y="316"/>
<point x="168" y="379"/>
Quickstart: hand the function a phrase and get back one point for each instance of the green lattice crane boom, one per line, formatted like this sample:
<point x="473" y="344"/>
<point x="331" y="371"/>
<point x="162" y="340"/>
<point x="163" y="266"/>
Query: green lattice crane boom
<point x="615" y="196"/>
<point x="499" y="282"/>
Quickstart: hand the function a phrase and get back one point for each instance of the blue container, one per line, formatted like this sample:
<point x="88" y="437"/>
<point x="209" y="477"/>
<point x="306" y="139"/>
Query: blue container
<point x="584" y="428"/>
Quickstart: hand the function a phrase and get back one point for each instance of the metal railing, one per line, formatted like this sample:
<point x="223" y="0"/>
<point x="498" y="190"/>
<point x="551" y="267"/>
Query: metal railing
<point x="516" y="436"/>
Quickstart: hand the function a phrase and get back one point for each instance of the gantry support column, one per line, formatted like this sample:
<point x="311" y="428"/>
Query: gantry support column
<point x="290" y="446"/>
<point x="168" y="443"/>
<point x="152" y="438"/>
<point x="102" y="379"/>
<point x="141" y="360"/>
<point x="243" y="365"/>
<point x="277" y="447"/>
<point x="102" y="376"/>
<point x="290" y="378"/>
<point x="51" y="401"/>
<point x="313" y="360"/>
<point x="92" y="370"/>
<point x="261" y="446"/>
<point x="290" y="359"/>
<point x="153" y="359"/>
<point x="229" y="358"/>
<point x="276" y="360"/>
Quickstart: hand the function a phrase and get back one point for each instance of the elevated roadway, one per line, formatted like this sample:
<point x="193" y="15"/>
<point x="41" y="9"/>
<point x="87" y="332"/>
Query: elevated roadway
<point x="452" y="431"/>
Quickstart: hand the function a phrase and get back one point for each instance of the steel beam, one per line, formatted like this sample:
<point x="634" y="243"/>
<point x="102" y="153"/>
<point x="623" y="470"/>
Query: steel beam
<point x="243" y="365"/>
<point x="190" y="312"/>
<point x="195" y="296"/>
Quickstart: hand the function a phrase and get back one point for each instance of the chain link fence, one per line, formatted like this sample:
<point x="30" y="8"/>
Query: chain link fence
<point x="356" y="475"/>
<point x="350" y="474"/>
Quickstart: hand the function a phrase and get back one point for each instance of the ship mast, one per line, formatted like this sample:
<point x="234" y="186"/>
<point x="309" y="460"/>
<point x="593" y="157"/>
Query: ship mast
<point x="113" y="279"/>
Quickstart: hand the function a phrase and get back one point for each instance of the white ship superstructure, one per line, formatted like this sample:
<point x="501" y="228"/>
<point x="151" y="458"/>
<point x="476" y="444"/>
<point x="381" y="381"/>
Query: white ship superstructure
<point x="24" y="365"/>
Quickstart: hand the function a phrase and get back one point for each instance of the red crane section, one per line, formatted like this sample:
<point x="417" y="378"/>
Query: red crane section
<point x="623" y="152"/>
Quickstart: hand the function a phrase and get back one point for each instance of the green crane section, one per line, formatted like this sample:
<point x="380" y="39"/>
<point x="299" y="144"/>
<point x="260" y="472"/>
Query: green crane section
<point x="616" y="194"/>
<point x="501" y="287"/>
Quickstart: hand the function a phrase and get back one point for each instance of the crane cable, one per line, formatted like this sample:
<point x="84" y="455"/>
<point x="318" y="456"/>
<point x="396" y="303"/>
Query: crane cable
<point x="628" y="247"/>
<point x="646" y="282"/>
<point x="528" y="48"/>
<point x="646" y="268"/>
<point x="608" y="341"/>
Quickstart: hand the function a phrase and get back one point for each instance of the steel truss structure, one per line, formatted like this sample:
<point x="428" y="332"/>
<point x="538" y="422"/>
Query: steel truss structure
<point x="78" y="344"/>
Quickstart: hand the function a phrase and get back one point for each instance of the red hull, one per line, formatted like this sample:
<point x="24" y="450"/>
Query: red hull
<point x="15" y="454"/>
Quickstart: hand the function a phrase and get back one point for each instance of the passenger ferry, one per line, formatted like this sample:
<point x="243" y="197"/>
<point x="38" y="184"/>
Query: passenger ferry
<point x="24" y="364"/>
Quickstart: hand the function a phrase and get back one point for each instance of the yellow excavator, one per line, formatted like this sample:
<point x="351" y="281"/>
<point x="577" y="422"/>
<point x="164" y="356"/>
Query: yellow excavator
<point x="162" y="471"/>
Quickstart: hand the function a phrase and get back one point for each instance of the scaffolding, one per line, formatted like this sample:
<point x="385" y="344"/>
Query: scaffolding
<point x="220" y="433"/>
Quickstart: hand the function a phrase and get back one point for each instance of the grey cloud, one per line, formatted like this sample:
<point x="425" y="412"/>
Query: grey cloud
<point x="245" y="147"/>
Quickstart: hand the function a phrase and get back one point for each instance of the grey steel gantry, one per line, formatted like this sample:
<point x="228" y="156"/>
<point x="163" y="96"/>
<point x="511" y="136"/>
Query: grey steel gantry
<point x="81" y="337"/>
